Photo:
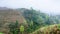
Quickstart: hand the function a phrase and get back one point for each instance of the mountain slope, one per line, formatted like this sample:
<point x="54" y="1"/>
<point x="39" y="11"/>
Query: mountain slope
<point x="9" y="16"/>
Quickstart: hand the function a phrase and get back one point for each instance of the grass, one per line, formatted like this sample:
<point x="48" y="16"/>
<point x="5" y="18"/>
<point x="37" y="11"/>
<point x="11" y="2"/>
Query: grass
<point x="1" y="33"/>
<point x="46" y="28"/>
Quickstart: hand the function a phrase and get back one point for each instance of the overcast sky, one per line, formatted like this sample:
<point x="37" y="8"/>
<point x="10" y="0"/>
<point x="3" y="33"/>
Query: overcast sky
<point x="48" y="6"/>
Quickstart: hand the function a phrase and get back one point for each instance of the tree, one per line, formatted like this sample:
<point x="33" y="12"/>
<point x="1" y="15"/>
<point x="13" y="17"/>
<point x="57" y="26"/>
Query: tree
<point x="13" y="27"/>
<point x="22" y="29"/>
<point x="33" y="19"/>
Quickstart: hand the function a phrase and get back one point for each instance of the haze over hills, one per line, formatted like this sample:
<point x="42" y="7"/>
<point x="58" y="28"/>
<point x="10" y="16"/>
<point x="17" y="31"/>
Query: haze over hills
<point x="4" y="8"/>
<point x="29" y="16"/>
<point x="26" y="17"/>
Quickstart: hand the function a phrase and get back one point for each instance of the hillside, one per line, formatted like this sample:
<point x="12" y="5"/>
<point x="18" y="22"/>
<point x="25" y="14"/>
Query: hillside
<point x="32" y="20"/>
<point x="51" y="29"/>
<point x="8" y="16"/>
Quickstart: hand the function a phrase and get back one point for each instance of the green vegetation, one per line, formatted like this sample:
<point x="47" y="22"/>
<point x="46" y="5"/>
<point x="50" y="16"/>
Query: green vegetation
<point x="22" y="29"/>
<point x="52" y="29"/>
<point x="1" y="33"/>
<point x="14" y="28"/>
<point x="31" y="22"/>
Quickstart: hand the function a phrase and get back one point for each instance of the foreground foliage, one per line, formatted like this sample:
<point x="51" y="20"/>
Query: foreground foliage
<point x="52" y="29"/>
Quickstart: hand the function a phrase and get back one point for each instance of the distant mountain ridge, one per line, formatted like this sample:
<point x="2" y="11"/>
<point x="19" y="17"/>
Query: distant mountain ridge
<point x="4" y="8"/>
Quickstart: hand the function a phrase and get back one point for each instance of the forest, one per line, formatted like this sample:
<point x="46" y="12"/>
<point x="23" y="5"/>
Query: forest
<point x="32" y="22"/>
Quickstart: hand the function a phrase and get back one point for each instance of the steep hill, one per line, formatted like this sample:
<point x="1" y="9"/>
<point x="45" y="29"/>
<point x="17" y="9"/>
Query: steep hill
<point x="30" y="18"/>
<point x="8" y="16"/>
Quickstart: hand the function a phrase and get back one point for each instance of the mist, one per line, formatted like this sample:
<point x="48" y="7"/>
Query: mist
<point x="46" y="6"/>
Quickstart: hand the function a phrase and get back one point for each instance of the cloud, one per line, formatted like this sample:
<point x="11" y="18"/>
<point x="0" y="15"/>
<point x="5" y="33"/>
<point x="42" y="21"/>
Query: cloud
<point x="48" y="6"/>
